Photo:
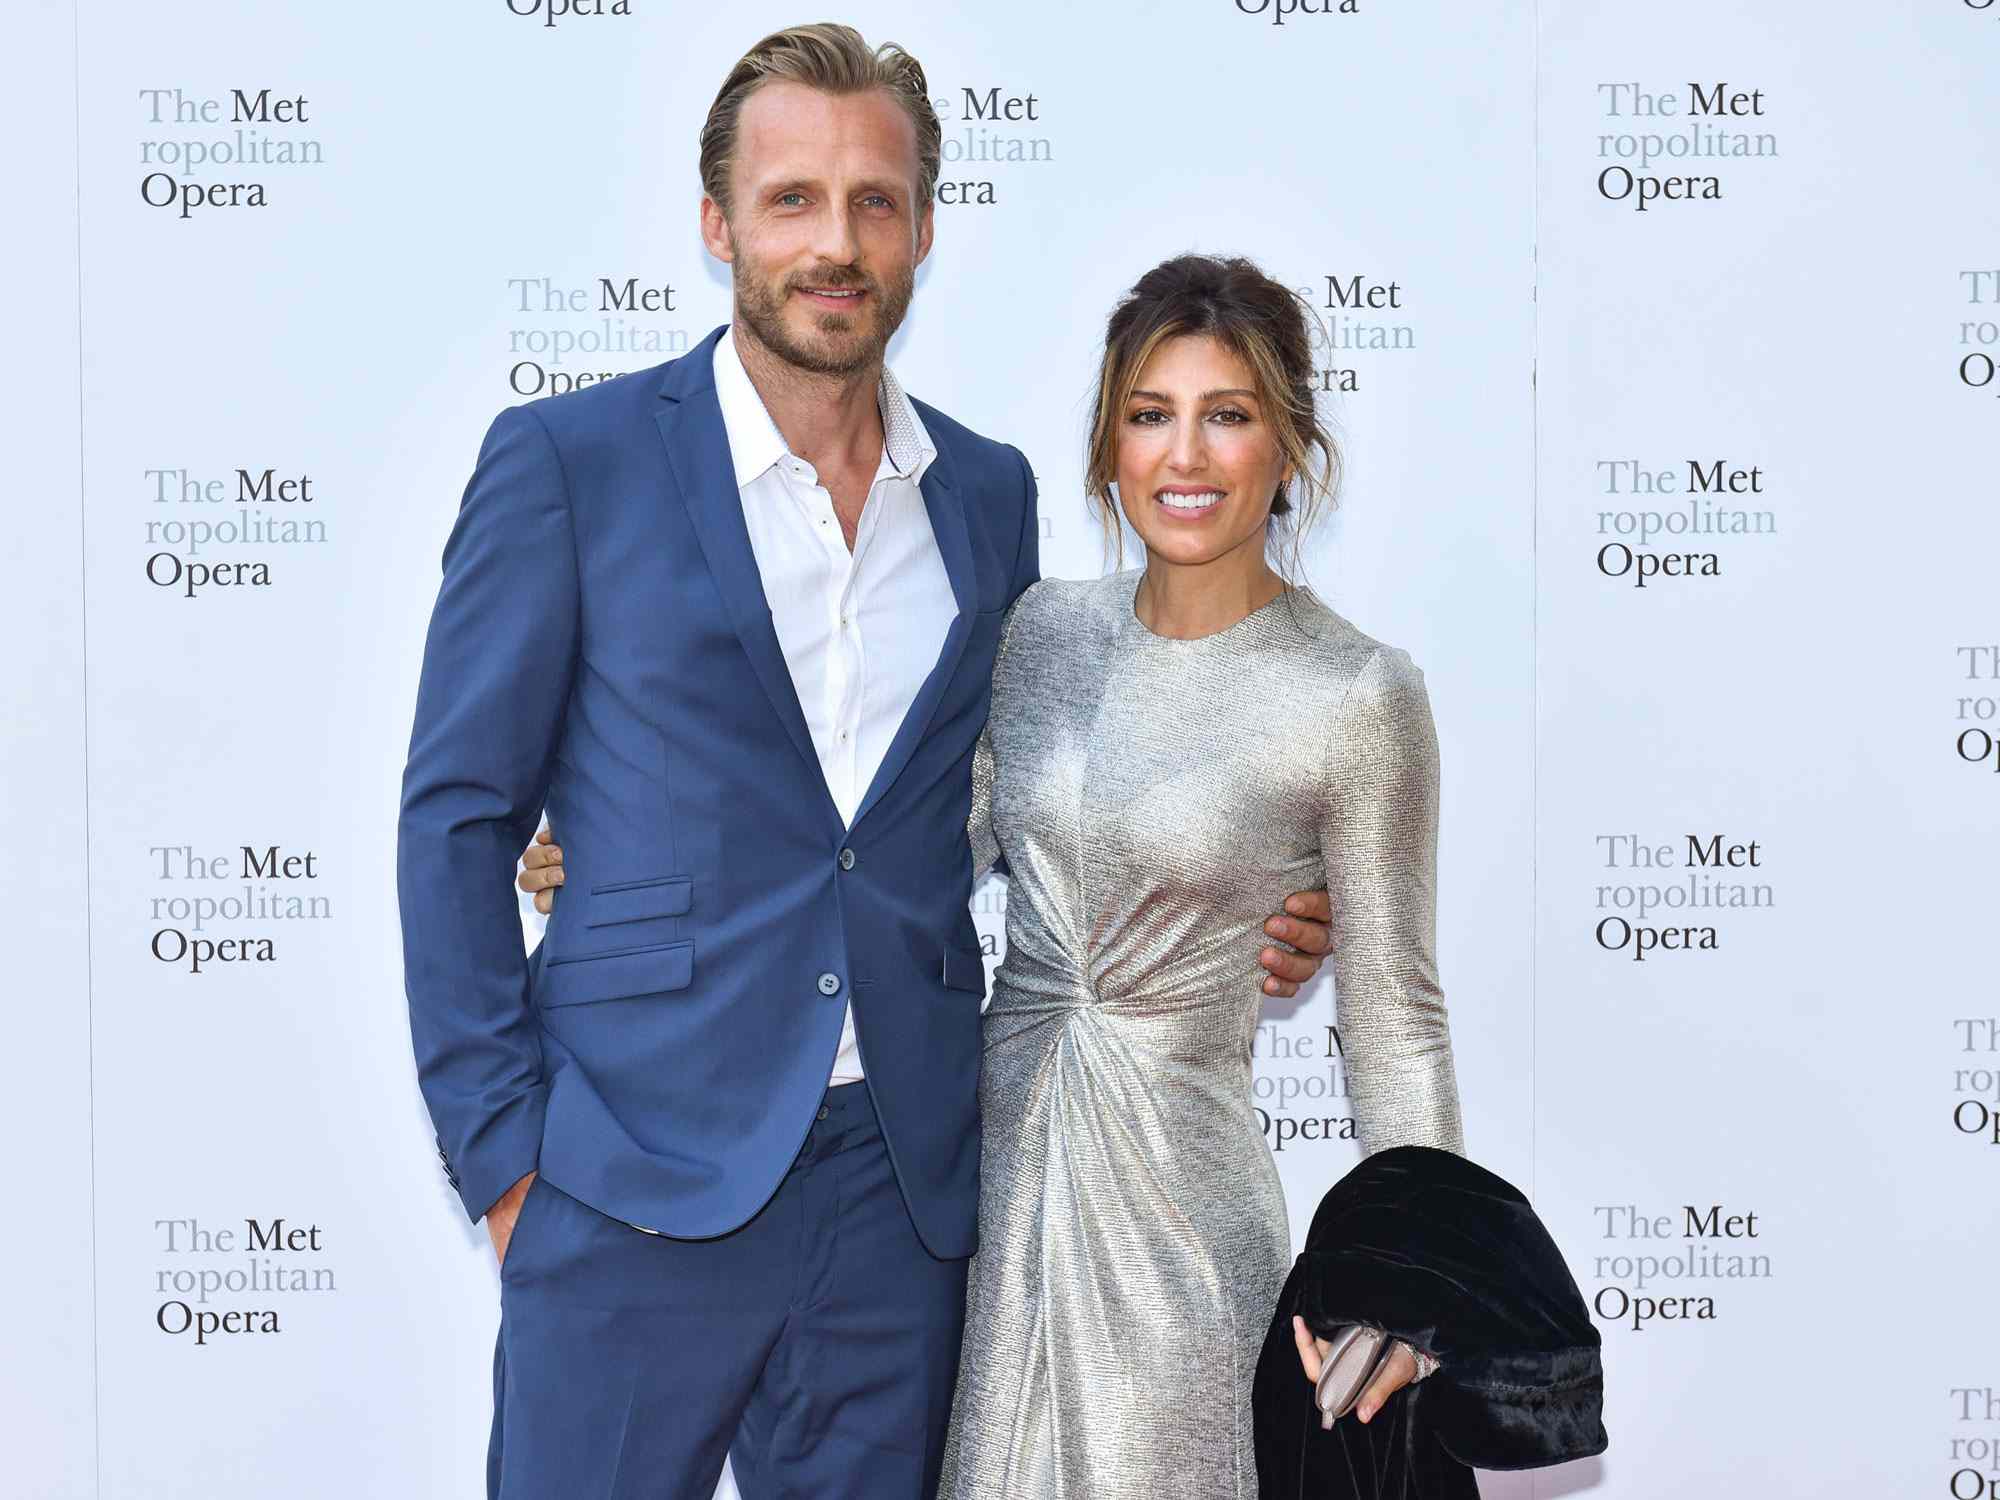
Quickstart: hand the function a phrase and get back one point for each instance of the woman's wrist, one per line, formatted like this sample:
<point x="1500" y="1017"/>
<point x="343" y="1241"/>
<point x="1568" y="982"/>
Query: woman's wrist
<point x="1427" y="1363"/>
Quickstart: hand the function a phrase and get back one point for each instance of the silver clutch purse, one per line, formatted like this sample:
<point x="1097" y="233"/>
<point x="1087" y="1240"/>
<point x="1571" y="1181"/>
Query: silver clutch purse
<point x="1358" y="1352"/>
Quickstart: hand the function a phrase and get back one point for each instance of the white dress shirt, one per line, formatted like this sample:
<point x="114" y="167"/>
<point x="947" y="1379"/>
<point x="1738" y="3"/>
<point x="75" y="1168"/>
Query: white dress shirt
<point x="862" y="630"/>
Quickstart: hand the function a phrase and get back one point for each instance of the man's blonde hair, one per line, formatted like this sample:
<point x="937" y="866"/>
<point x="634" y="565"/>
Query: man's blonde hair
<point x="836" y="60"/>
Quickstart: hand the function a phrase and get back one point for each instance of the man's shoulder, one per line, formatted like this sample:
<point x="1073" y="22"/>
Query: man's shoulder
<point x="612" y="402"/>
<point x="967" y="447"/>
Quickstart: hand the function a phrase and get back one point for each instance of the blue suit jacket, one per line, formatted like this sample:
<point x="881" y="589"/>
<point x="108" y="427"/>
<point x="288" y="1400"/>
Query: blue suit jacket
<point x="602" y="647"/>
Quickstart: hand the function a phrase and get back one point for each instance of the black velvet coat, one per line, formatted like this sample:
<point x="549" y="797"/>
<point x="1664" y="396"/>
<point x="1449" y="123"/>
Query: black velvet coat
<point x="1441" y="1252"/>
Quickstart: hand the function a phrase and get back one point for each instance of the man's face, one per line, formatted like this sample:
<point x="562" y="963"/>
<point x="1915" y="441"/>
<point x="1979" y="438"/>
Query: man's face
<point x="823" y="235"/>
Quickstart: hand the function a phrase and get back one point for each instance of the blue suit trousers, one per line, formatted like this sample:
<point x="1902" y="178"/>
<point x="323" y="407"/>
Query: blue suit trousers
<point x="816" y="1345"/>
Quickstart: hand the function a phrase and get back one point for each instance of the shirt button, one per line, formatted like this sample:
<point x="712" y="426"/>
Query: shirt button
<point x="847" y="859"/>
<point x="829" y="984"/>
<point x="824" y="1111"/>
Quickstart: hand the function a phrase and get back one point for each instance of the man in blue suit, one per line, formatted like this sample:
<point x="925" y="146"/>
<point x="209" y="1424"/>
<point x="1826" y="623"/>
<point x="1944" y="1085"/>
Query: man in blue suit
<point x="730" y="623"/>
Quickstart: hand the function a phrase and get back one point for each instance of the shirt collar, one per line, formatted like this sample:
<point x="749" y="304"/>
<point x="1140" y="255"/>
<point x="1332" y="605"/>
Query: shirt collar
<point x="755" y="443"/>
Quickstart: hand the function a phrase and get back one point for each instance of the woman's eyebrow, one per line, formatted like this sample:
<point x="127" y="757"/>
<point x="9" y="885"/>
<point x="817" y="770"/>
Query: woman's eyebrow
<point x="1234" y="390"/>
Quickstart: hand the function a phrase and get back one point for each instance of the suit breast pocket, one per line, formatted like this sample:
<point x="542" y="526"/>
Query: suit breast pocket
<point x="638" y="900"/>
<point x="617" y="917"/>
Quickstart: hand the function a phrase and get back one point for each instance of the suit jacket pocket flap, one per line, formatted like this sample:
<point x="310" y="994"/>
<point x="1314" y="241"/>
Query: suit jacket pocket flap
<point x="964" y="970"/>
<point x="617" y="975"/>
<point x="636" y="900"/>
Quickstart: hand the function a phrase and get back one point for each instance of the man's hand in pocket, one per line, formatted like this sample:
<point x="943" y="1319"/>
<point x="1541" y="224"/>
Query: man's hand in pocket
<point x="501" y="1216"/>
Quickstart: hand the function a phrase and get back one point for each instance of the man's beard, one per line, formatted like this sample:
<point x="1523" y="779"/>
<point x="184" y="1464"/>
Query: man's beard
<point x="841" y="348"/>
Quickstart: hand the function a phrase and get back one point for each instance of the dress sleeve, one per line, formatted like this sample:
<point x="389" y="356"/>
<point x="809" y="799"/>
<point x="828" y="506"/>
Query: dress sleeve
<point x="986" y="855"/>
<point x="979" y="824"/>
<point x="1379" y="839"/>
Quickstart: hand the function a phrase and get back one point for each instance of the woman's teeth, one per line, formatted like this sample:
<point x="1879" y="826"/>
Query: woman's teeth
<point x="1201" y="501"/>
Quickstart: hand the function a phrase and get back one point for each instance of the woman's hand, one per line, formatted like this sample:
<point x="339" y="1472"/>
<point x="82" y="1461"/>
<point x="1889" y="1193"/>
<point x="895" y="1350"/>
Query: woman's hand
<point x="1397" y="1371"/>
<point x="543" y="870"/>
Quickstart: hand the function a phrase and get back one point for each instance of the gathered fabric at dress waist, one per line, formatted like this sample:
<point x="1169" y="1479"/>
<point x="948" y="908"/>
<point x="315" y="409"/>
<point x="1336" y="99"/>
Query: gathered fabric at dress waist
<point x="1129" y="977"/>
<point x="1212" y="1025"/>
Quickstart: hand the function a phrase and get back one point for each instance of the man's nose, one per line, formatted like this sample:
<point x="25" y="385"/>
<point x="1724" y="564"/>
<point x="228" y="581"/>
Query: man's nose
<point x="836" y="240"/>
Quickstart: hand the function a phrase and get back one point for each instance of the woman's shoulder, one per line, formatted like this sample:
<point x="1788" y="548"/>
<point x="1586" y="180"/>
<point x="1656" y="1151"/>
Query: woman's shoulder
<point x="1368" y="677"/>
<point x="1340" y="646"/>
<point x="1051" y="600"/>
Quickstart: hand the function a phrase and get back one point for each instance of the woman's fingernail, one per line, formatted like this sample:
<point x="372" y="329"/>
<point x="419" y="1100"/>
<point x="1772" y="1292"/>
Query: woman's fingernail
<point x="1367" y="1412"/>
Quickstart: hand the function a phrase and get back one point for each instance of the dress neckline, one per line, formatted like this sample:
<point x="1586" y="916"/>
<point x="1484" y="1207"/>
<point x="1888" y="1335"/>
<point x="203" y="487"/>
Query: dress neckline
<point x="1137" y="626"/>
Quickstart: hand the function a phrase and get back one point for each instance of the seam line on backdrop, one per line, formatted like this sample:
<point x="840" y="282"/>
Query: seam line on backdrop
<point x="89" y="937"/>
<point x="1535" y="641"/>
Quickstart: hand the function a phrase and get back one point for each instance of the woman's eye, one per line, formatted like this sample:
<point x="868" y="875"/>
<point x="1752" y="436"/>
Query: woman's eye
<point x="1150" y="416"/>
<point x="1229" y="416"/>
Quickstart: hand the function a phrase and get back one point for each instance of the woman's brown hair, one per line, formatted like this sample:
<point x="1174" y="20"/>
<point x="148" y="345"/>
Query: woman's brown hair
<point x="1266" y="325"/>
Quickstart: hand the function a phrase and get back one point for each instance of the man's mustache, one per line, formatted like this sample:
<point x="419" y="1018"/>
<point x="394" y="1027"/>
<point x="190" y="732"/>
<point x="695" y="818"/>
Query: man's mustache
<point x="831" y="280"/>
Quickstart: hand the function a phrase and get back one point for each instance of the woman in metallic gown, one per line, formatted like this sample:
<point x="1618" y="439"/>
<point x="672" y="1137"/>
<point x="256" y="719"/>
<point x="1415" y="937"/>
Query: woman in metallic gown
<point x="1133" y="1233"/>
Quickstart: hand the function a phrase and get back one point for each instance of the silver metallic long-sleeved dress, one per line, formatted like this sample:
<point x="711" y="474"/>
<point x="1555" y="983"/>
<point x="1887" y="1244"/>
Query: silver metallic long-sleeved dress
<point x="1156" y="800"/>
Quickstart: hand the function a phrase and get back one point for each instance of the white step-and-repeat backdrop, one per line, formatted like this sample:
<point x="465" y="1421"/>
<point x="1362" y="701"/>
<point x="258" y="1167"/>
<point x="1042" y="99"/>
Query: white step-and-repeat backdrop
<point x="1663" y="346"/>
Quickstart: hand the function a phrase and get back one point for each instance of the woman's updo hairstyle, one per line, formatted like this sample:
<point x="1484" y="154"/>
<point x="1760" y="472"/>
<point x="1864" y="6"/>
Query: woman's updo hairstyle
<point x="1266" y="325"/>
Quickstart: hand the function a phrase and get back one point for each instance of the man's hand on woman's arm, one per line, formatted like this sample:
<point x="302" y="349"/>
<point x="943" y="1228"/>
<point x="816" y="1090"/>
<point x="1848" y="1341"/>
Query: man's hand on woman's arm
<point x="543" y="870"/>
<point x="1304" y="925"/>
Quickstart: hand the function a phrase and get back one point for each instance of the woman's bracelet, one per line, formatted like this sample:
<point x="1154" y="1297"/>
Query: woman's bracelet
<point x="1427" y="1364"/>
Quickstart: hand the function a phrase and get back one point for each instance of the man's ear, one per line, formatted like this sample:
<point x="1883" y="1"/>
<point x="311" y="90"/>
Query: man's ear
<point x="925" y="224"/>
<point x="715" y="230"/>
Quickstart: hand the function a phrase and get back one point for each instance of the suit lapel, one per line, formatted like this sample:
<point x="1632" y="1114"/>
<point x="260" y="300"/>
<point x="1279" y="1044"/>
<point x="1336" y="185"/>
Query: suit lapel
<point x="947" y="513"/>
<point x="700" y="467"/>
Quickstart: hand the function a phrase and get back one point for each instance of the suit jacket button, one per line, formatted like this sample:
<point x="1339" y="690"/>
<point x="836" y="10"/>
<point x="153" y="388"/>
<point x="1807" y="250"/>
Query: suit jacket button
<point x="847" y="859"/>
<point x="829" y="984"/>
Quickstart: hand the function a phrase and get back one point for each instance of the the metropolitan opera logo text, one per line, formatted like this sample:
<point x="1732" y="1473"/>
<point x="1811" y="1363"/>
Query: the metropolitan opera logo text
<point x="221" y="152"/>
<point x="1976" y="715"/>
<point x="1360" y="315"/>
<point x="1975" y="1078"/>
<point x="1669" y="1267"/>
<point x="1299" y="1086"/>
<point x="1656" y="129"/>
<point x="207" y="531"/>
<point x="986" y="129"/>
<point x="1676" y="520"/>
<point x="1975" y="1443"/>
<point x="1676" y="895"/>
<point x="224" y="1282"/>
<point x="568" y="333"/>
<point x="210" y="910"/>
<point x="1978" y="334"/>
